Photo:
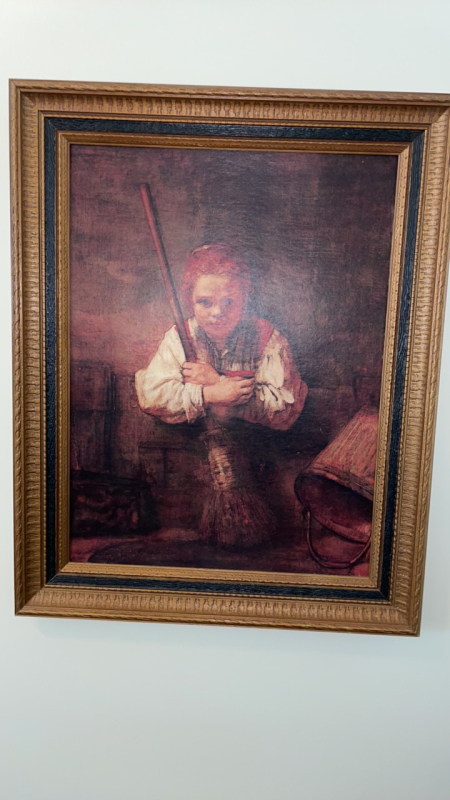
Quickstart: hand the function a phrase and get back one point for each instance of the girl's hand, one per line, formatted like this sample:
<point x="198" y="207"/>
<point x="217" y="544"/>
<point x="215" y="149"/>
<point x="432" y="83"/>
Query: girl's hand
<point x="200" y="373"/>
<point x="229" y="392"/>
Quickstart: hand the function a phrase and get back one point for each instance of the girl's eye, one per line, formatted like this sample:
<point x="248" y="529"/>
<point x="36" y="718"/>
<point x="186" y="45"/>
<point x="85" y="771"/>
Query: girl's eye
<point x="205" y="303"/>
<point x="229" y="302"/>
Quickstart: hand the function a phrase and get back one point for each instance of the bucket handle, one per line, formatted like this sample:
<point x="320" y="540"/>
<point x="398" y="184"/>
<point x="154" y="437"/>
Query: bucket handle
<point x="328" y="563"/>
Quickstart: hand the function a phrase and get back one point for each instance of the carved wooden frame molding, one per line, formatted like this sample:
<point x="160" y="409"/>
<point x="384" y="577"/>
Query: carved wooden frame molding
<point x="389" y="600"/>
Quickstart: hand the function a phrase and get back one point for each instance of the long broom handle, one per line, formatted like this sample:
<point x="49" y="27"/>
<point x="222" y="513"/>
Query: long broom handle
<point x="152" y="219"/>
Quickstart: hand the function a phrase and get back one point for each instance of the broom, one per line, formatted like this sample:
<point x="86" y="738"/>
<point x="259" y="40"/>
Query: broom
<point x="234" y="513"/>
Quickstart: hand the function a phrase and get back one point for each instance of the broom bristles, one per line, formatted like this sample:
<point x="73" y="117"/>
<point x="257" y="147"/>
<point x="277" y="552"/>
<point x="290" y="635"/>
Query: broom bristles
<point x="238" y="518"/>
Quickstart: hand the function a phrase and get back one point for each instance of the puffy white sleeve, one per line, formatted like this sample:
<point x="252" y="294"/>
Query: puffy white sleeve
<point x="280" y="393"/>
<point x="160" y="388"/>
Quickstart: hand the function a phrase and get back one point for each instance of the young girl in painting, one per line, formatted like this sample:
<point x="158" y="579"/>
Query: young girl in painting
<point x="244" y="368"/>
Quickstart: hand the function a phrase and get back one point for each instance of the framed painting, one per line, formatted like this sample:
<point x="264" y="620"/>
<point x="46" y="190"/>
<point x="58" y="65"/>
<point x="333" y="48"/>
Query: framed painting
<point x="228" y="316"/>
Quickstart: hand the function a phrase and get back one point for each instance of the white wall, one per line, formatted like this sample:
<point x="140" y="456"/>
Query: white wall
<point x="126" y="711"/>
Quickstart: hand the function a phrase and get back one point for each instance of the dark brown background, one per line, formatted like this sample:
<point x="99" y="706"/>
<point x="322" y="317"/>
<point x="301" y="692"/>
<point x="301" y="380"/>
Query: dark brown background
<point x="316" y="231"/>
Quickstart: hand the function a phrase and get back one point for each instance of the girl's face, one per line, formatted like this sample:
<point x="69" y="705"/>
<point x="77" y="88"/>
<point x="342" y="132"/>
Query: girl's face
<point x="219" y="304"/>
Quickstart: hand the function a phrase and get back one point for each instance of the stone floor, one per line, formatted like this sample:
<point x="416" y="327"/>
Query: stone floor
<point x="179" y="547"/>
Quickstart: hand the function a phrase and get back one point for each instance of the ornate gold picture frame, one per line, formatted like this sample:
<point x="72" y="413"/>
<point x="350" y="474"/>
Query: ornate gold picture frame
<point x="228" y="310"/>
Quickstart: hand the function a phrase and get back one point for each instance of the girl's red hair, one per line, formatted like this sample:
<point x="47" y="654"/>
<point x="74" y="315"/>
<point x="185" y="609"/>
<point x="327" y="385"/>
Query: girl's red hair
<point x="213" y="259"/>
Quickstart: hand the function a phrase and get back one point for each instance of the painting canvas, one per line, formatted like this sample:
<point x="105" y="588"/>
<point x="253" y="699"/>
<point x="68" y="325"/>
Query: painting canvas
<point x="257" y="452"/>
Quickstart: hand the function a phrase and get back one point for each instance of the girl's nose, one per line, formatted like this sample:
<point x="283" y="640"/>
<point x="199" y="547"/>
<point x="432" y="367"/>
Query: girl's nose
<point x="216" y="311"/>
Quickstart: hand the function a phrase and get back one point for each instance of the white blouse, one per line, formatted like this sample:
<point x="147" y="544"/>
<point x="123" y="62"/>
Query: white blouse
<point x="277" y="400"/>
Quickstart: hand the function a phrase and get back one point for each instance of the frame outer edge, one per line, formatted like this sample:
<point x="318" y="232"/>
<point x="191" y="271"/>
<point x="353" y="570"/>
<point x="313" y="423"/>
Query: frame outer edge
<point x="17" y="345"/>
<point x="234" y="104"/>
<point x="238" y="92"/>
<point x="144" y="605"/>
<point x="422" y="381"/>
<point x="28" y="356"/>
<point x="437" y="245"/>
<point x="28" y="99"/>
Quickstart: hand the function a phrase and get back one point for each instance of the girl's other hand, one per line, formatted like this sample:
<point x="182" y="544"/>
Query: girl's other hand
<point x="200" y="373"/>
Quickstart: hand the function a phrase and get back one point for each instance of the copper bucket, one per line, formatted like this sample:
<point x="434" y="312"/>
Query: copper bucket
<point x="336" y="490"/>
